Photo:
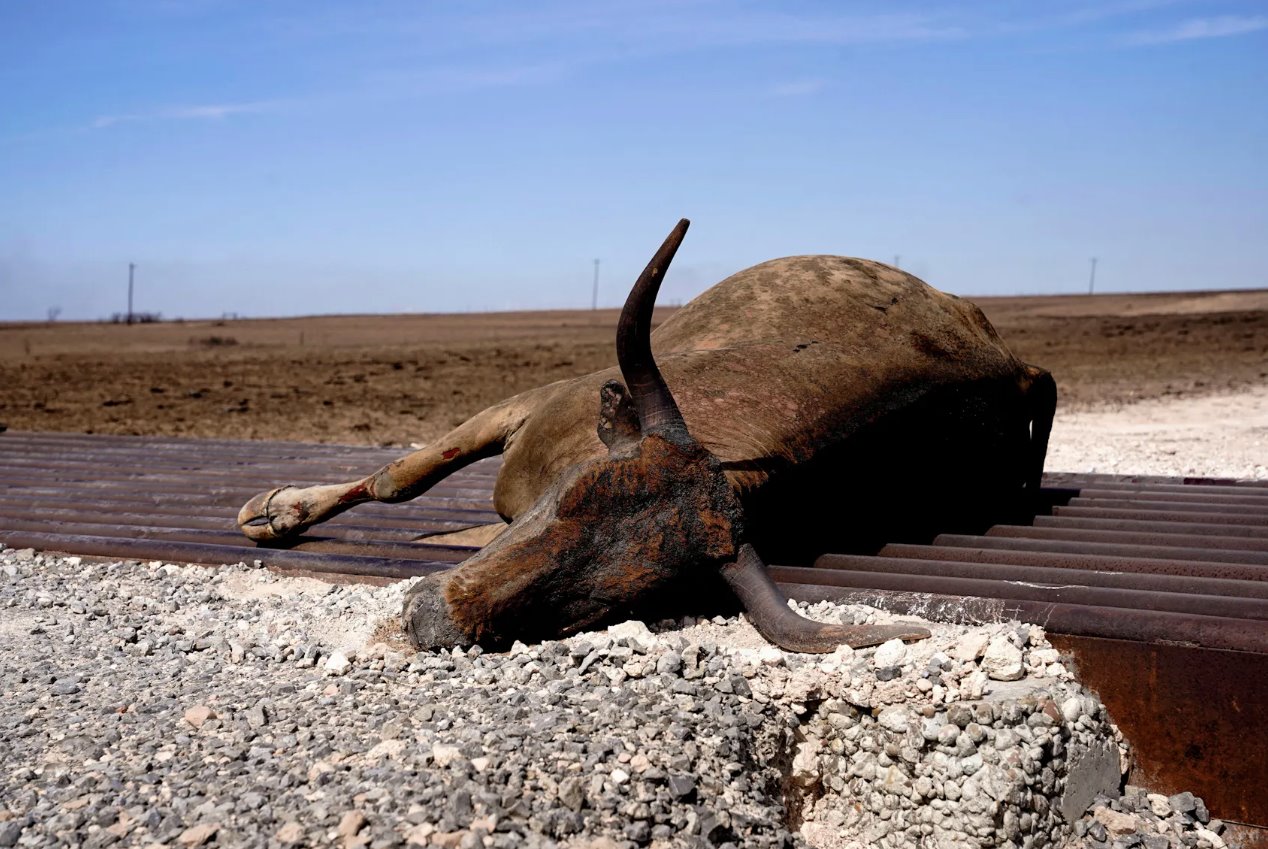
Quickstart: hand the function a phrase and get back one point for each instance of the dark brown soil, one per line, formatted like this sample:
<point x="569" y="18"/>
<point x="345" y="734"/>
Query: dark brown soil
<point x="403" y="379"/>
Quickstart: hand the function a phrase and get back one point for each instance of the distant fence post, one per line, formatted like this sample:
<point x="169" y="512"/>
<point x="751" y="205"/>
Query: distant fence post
<point x="131" y="272"/>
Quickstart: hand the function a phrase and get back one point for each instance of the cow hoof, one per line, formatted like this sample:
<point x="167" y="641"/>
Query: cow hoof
<point x="426" y="617"/>
<point x="273" y="515"/>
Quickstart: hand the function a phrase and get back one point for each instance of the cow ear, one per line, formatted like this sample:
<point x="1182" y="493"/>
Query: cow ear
<point x="618" y="421"/>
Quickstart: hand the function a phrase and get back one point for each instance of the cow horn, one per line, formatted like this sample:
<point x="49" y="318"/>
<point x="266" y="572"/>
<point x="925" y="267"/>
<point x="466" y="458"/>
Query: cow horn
<point x="768" y="610"/>
<point x="656" y="408"/>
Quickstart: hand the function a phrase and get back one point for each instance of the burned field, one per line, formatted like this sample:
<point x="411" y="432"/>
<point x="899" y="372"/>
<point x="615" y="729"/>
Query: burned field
<point x="394" y="380"/>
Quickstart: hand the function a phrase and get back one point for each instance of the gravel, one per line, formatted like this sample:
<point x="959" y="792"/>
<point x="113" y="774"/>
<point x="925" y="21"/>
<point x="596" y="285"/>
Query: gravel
<point x="1223" y="435"/>
<point x="1148" y="820"/>
<point x="154" y="704"/>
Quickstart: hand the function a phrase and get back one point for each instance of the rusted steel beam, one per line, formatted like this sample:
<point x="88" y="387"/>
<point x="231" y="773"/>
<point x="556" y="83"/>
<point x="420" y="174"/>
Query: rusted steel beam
<point x="141" y="487"/>
<point x="1169" y="507"/>
<point x="1014" y="573"/>
<point x="245" y="484"/>
<point x="236" y="494"/>
<point x="60" y="496"/>
<point x="344" y="527"/>
<point x="1194" y="494"/>
<point x="128" y="467"/>
<point x="1132" y="510"/>
<point x="1195" y="718"/>
<point x="421" y="551"/>
<point x="187" y="552"/>
<point x="1066" y="593"/>
<point x="196" y="454"/>
<point x="1077" y="535"/>
<point x="219" y="500"/>
<point x="1059" y="560"/>
<point x="304" y="468"/>
<point x="1136" y="525"/>
<point x="225" y="520"/>
<point x="180" y="442"/>
<point x="1085" y="479"/>
<point x="403" y="528"/>
<point x="85" y="503"/>
<point x="176" y="447"/>
<point x="202" y="501"/>
<point x="231" y="538"/>
<point x="1147" y="626"/>
<point x="1165" y="552"/>
<point x="202" y="460"/>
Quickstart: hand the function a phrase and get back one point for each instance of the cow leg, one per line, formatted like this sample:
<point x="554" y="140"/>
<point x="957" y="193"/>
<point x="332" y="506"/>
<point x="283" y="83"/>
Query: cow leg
<point x="290" y="510"/>
<point x="478" y="536"/>
<point x="1041" y="408"/>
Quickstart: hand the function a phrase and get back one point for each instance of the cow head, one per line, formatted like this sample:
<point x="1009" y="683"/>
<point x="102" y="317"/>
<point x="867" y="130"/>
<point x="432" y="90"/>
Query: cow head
<point x="655" y="513"/>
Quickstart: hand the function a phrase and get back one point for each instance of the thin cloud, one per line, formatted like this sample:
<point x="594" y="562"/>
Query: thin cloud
<point x="797" y="88"/>
<point x="680" y="27"/>
<point x="1222" y="26"/>
<point x="201" y="112"/>
<point x="463" y="78"/>
<point x="1080" y="16"/>
<point x="659" y="25"/>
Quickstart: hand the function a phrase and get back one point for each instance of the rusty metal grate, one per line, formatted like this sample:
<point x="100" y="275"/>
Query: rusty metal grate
<point x="1158" y="587"/>
<point x="176" y="499"/>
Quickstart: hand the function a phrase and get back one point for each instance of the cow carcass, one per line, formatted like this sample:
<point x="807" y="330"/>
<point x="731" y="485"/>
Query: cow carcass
<point x="806" y="402"/>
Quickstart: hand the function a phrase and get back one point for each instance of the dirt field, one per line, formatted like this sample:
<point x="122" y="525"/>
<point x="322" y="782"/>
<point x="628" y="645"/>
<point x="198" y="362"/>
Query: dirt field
<point x="403" y="379"/>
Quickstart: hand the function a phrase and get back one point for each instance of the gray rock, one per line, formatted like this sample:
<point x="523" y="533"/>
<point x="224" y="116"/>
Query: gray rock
<point x="1158" y="805"/>
<point x="1184" y="803"/>
<point x="1002" y="661"/>
<point x="959" y="714"/>
<point x="257" y="717"/>
<point x="337" y="663"/>
<point x="10" y="832"/>
<point x="572" y="793"/>
<point x="682" y="785"/>
<point x="669" y="663"/>
<point x="890" y="654"/>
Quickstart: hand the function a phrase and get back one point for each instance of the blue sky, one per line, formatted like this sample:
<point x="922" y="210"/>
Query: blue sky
<point x="274" y="158"/>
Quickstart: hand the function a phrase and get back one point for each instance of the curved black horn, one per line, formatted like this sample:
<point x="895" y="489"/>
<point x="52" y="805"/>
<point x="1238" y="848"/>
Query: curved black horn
<point x="768" y="610"/>
<point x="652" y="400"/>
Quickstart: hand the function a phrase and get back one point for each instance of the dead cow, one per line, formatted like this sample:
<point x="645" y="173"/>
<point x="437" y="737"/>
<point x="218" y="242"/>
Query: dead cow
<point x="812" y="396"/>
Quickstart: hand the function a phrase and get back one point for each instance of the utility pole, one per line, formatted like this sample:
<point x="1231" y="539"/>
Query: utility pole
<point x="131" y="272"/>
<point x="896" y="259"/>
<point x="594" y="297"/>
<point x="1091" y="283"/>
